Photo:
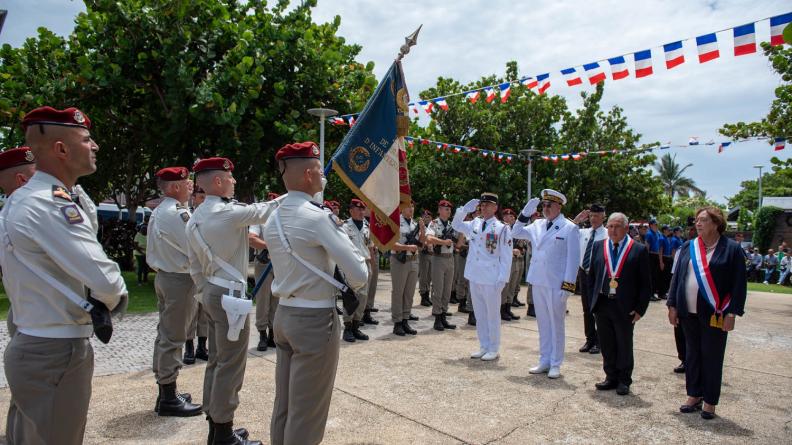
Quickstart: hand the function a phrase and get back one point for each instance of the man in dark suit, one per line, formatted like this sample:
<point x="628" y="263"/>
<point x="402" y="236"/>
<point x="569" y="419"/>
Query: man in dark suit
<point x="620" y="285"/>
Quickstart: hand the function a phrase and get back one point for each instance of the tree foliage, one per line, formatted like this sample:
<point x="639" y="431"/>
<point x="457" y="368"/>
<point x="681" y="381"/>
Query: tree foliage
<point x="776" y="182"/>
<point x="764" y="227"/>
<point x="673" y="179"/>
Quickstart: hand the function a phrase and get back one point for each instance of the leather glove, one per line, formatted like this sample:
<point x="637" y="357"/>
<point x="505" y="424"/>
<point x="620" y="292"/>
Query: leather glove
<point x="471" y="205"/>
<point x="530" y="208"/>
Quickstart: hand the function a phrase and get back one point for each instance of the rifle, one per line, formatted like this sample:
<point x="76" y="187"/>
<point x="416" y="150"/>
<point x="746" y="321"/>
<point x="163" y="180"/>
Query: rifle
<point x="410" y="240"/>
<point x="448" y="234"/>
<point x="348" y="298"/>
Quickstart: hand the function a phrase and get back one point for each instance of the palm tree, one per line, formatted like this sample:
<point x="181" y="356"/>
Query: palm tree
<point x="673" y="182"/>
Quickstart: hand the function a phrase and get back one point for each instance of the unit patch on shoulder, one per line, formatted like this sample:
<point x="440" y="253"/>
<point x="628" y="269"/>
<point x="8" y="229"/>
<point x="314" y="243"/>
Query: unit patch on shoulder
<point x="61" y="192"/>
<point x="72" y="214"/>
<point x="336" y="220"/>
<point x="185" y="216"/>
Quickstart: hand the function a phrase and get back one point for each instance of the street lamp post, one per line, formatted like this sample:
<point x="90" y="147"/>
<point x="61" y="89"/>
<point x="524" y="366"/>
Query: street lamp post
<point x="528" y="155"/>
<point x="760" y="167"/>
<point x="322" y="114"/>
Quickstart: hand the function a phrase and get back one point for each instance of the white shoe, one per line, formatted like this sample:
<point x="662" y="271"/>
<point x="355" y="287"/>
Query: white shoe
<point x="478" y="354"/>
<point x="489" y="356"/>
<point x="554" y="373"/>
<point x="539" y="369"/>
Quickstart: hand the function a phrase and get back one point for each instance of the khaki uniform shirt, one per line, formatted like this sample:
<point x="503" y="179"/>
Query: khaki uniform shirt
<point x="166" y="246"/>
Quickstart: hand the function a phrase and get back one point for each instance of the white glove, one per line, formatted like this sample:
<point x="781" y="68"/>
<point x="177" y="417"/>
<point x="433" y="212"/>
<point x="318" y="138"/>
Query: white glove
<point x="88" y="206"/>
<point x="471" y="205"/>
<point x="530" y="208"/>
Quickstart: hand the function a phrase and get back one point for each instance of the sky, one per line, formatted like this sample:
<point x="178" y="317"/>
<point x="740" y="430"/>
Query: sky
<point x="466" y="40"/>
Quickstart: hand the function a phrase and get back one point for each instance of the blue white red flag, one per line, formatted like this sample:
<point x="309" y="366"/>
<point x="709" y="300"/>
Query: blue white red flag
<point x="693" y="140"/>
<point x="505" y="91"/>
<point x="544" y="82"/>
<point x="594" y="73"/>
<point x="780" y="144"/>
<point x="473" y="96"/>
<point x="723" y="146"/>
<point x="707" y="47"/>
<point x="744" y="39"/>
<point x="618" y="68"/>
<point x="529" y="82"/>
<point x="643" y="63"/>
<point x="490" y="92"/>
<point x="673" y="54"/>
<point x="572" y="77"/>
<point x="441" y="102"/>
<point x="777" y="25"/>
<point x="427" y="106"/>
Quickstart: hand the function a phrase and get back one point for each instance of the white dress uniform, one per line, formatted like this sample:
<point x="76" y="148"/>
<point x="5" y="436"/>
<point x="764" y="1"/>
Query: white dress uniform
<point x="488" y="267"/>
<point x="554" y="261"/>
<point x="361" y="239"/>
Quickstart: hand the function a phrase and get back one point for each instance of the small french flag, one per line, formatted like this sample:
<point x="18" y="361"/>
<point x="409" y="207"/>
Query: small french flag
<point x="414" y="106"/>
<point x="665" y="146"/>
<point x="643" y="63"/>
<point x="618" y="68"/>
<point x="352" y="120"/>
<point x="544" y="82"/>
<point x="339" y="121"/>
<point x="572" y="77"/>
<point x="723" y="146"/>
<point x="441" y="102"/>
<point x="505" y="91"/>
<point x="777" y="25"/>
<point x="780" y="144"/>
<point x="744" y="40"/>
<point x="693" y="140"/>
<point x="673" y="54"/>
<point x="707" y="47"/>
<point x="473" y="96"/>
<point x="490" y="94"/>
<point x="427" y="106"/>
<point x="594" y="73"/>
<point x="529" y="82"/>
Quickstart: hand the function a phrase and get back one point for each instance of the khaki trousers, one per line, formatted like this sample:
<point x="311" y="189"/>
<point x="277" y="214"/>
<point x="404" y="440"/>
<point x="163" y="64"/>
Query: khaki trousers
<point x="442" y="280"/>
<point x="404" y="276"/>
<point x="362" y="297"/>
<point x="513" y="286"/>
<point x="307" y="357"/>
<point x="424" y="272"/>
<point x="175" y="303"/>
<point x="373" y="278"/>
<point x="199" y="323"/>
<point x="50" y="383"/>
<point x="225" y="369"/>
<point x="266" y="304"/>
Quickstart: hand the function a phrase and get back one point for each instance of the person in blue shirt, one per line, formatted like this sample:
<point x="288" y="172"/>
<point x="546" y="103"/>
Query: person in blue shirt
<point x="652" y="239"/>
<point x="676" y="241"/>
<point x="666" y="260"/>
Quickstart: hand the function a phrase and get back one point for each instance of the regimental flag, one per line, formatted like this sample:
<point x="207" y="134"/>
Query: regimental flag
<point x="572" y="77"/>
<point x="427" y="106"/>
<point x="544" y="82"/>
<point x="744" y="40"/>
<point x="643" y="63"/>
<point x="723" y="146"/>
<point x="673" y="54"/>
<point x="441" y="102"/>
<point x="490" y="92"/>
<point x="618" y="68"/>
<point x="505" y="91"/>
<point x="473" y="96"/>
<point x="777" y="25"/>
<point x="529" y="82"/>
<point x="780" y="144"/>
<point x="372" y="160"/>
<point x="594" y="73"/>
<point x="707" y="47"/>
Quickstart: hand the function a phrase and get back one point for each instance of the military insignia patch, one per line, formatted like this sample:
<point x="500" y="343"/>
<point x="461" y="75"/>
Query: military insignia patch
<point x="79" y="118"/>
<point x="336" y="220"/>
<point x="29" y="156"/>
<point x="359" y="159"/>
<point x="185" y="216"/>
<point x="226" y="165"/>
<point x="72" y="214"/>
<point x="61" y="192"/>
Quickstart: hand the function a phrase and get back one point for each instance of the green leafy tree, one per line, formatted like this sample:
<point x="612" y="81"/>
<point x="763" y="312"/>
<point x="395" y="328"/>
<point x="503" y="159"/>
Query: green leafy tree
<point x="776" y="182"/>
<point x="672" y="176"/>
<point x="764" y="227"/>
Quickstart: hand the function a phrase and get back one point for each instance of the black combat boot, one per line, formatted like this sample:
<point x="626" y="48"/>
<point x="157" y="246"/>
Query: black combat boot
<point x="348" y="335"/>
<point x="186" y="396"/>
<point x="241" y="432"/>
<point x="356" y="331"/>
<point x="201" y="353"/>
<point x="407" y="328"/>
<point x="504" y="314"/>
<point x="398" y="329"/>
<point x="270" y="337"/>
<point x="414" y="317"/>
<point x="453" y="299"/>
<point x="517" y="302"/>
<point x="224" y="434"/>
<point x="425" y="301"/>
<point x="445" y="323"/>
<point x="262" y="344"/>
<point x="471" y="319"/>
<point x="531" y="311"/>
<point x="511" y="314"/>
<point x="367" y="318"/>
<point x="173" y="405"/>
<point x="438" y="324"/>
<point x="463" y="307"/>
<point x="189" y="353"/>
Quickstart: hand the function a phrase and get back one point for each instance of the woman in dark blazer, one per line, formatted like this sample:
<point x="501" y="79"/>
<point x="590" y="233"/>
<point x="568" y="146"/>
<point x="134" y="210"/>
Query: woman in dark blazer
<point x="691" y="307"/>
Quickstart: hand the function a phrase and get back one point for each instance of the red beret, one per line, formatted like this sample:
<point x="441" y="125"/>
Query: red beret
<point x="173" y="173"/>
<point x="16" y="156"/>
<point x="509" y="212"/>
<point x="427" y="212"/>
<point x="207" y="164"/>
<point x="298" y="150"/>
<point x="271" y="196"/>
<point x="444" y="203"/>
<point x="70" y="117"/>
<point x="335" y="204"/>
<point x="357" y="203"/>
<point x="327" y="203"/>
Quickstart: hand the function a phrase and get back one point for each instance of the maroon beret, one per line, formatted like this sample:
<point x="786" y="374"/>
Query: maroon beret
<point x="427" y="212"/>
<point x="271" y="196"/>
<point x="16" y="156"/>
<point x="173" y="173"/>
<point x="444" y="203"/>
<point x="509" y="212"/>
<point x="298" y="150"/>
<point x="357" y="203"/>
<point x="70" y="117"/>
<point x="207" y="164"/>
<point x="335" y="204"/>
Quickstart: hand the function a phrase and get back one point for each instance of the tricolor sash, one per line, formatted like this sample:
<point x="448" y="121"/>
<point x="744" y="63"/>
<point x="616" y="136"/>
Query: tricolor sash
<point x="614" y="266"/>
<point x="698" y="256"/>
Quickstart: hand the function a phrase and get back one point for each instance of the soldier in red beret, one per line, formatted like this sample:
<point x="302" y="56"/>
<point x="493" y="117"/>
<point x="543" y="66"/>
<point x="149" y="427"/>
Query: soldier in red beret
<point x="49" y="362"/>
<point x="442" y="237"/>
<point x="17" y="165"/>
<point x="510" y="290"/>
<point x="335" y="206"/>
<point x="217" y="246"/>
<point x="199" y="323"/>
<point x="357" y="229"/>
<point x="166" y="253"/>
<point x="425" y="265"/>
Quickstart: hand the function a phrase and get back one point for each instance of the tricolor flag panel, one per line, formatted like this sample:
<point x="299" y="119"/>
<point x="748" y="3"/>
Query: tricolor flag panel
<point x="505" y="91"/>
<point x="441" y="102"/>
<point x="594" y="73"/>
<point x="777" y="25"/>
<point x="427" y="106"/>
<point x="693" y="140"/>
<point x="544" y="82"/>
<point x="673" y="54"/>
<point x="472" y="96"/>
<point x="529" y="82"/>
<point x="723" y="146"/>
<point x="780" y="144"/>
<point x="707" y="47"/>
<point x="665" y="146"/>
<point x="414" y="107"/>
<point x="643" y="63"/>
<point x="339" y="121"/>
<point x="351" y="120"/>
<point x="618" y="68"/>
<point x="572" y="77"/>
<point x="744" y="39"/>
<point x="490" y="92"/>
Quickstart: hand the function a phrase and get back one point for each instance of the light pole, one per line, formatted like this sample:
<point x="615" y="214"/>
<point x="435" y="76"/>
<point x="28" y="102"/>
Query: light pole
<point x="760" y="167"/>
<point x="528" y="155"/>
<point x="323" y="114"/>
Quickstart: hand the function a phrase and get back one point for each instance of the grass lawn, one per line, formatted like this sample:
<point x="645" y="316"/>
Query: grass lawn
<point x="772" y="288"/>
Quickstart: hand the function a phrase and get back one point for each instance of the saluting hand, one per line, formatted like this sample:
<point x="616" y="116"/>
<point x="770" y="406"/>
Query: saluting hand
<point x="582" y="216"/>
<point x="530" y="208"/>
<point x="471" y="205"/>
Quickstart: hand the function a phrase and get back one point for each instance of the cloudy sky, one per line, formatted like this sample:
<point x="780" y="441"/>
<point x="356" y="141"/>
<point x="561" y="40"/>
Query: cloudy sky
<point x="469" y="39"/>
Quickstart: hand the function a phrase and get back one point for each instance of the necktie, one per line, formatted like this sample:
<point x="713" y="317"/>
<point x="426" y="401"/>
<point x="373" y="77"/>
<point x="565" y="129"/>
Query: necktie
<point x="587" y="255"/>
<point x="615" y="253"/>
<point x="484" y="226"/>
<point x="549" y="224"/>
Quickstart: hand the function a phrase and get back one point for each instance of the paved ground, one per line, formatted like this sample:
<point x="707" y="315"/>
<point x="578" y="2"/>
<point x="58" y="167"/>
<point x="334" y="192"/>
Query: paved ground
<point x="424" y="389"/>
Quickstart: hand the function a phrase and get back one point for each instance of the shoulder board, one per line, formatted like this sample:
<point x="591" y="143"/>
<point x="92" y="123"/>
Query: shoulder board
<point x="185" y="216"/>
<point x="179" y="206"/>
<point x="61" y="193"/>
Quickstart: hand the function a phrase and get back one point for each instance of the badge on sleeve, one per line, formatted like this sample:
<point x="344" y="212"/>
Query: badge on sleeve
<point x="185" y="216"/>
<point x="72" y="214"/>
<point x="61" y="192"/>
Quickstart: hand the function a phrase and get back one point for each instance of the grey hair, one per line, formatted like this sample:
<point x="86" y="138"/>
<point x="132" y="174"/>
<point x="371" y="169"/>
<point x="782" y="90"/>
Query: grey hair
<point x="621" y="216"/>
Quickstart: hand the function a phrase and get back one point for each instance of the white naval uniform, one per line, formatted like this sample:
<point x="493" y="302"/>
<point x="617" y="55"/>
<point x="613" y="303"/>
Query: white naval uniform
<point x="555" y="259"/>
<point x="487" y="267"/>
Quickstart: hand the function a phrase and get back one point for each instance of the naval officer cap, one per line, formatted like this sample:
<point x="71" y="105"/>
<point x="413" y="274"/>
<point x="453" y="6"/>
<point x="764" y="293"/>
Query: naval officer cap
<point x="70" y="117"/>
<point x="489" y="197"/>
<point x="208" y="164"/>
<point x="14" y="157"/>
<point x="596" y="208"/>
<point x="298" y="150"/>
<point x="173" y="173"/>
<point x="554" y="196"/>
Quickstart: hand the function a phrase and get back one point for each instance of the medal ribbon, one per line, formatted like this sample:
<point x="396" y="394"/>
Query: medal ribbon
<point x="615" y="271"/>
<point x="698" y="256"/>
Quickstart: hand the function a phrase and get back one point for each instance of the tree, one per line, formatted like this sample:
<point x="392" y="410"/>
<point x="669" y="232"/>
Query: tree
<point x="776" y="182"/>
<point x="671" y="175"/>
<point x="764" y="227"/>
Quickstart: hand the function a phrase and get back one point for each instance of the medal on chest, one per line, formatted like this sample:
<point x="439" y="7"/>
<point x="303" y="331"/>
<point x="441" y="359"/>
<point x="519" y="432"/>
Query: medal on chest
<point x="491" y="239"/>
<point x="614" y="266"/>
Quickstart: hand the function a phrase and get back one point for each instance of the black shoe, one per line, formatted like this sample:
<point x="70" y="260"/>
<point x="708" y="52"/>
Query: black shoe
<point x="407" y="328"/>
<point x="173" y="405"/>
<point x="425" y="301"/>
<point x="356" y="331"/>
<point x="680" y="369"/>
<point x="531" y="312"/>
<point x="189" y="353"/>
<point x="398" y="329"/>
<point x="463" y="307"/>
<point x="654" y="298"/>
<point x="606" y="385"/>
<point x="438" y="324"/>
<point x="413" y="317"/>
<point x="691" y="408"/>
<point x="373" y="309"/>
<point x="348" y="335"/>
<point x="453" y="299"/>
<point x="445" y="322"/>
<point x="241" y="432"/>
<point x="471" y="319"/>
<point x="185" y="395"/>
<point x="367" y="318"/>
<point x="623" y="389"/>
<point x="201" y="353"/>
<point x="586" y="347"/>
<point x="503" y="314"/>
<point x="225" y="434"/>
<point x="706" y="415"/>
<point x="594" y="349"/>
<point x="517" y="302"/>
<point x="511" y="314"/>
<point x="262" y="343"/>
